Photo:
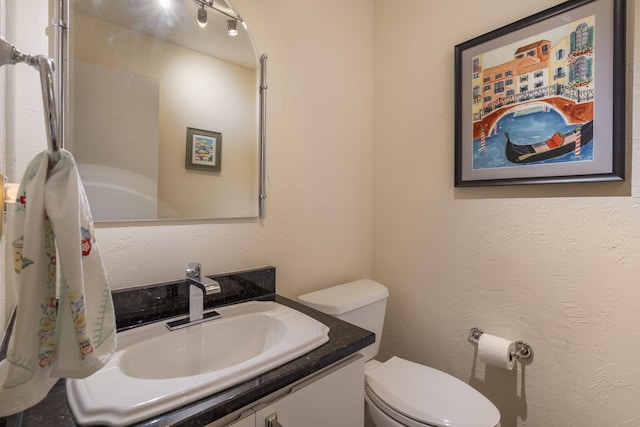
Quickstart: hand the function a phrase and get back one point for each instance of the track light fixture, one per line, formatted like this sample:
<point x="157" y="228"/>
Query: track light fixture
<point x="232" y="22"/>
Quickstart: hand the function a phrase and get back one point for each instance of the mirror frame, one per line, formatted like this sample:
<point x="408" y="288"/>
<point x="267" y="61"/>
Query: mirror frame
<point x="60" y="26"/>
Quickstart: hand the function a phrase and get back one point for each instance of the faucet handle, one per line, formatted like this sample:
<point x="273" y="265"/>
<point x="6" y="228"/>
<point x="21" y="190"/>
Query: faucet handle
<point x="193" y="270"/>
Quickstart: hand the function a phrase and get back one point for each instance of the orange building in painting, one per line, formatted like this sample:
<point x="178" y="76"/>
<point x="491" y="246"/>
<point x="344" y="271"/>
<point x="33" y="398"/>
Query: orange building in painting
<point x="528" y="70"/>
<point x="561" y="74"/>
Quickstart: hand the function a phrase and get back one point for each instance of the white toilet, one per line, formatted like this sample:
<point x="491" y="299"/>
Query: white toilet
<point x="399" y="393"/>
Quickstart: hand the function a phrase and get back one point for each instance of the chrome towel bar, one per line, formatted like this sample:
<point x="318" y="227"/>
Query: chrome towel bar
<point x="10" y="55"/>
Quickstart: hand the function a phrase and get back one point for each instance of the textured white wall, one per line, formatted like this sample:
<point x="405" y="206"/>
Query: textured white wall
<point x="4" y="305"/>
<point x="24" y="96"/>
<point x="22" y="111"/>
<point x="557" y="266"/>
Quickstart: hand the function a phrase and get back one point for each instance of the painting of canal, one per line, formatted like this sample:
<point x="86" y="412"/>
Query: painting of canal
<point x="533" y="100"/>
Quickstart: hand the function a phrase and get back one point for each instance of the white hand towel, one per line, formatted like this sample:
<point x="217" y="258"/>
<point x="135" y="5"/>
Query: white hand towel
<point x="65" y="333"/>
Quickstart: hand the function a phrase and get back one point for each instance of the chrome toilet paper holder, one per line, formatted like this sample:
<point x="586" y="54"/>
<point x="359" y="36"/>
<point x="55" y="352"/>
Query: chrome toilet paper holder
<point x="522" y="351"/>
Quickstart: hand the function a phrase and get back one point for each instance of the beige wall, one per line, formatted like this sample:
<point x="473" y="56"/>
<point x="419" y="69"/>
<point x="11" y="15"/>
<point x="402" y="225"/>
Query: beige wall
<point x="319" y="221"/>
<point x="557" y="266"/>
<point x="554" y="265"/>
<point x="319" y="160"/>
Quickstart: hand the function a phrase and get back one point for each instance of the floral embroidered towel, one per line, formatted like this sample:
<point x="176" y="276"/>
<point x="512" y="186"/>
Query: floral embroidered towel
<point x="65" y="323"/>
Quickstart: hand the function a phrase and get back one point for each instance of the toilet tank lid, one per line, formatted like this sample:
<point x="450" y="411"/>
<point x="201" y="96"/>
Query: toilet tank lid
<point x="343" y="298"/>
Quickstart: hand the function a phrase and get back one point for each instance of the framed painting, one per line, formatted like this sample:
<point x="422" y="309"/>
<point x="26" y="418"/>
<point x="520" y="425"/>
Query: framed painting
<point x="204" y="150"/>
<point x="541" y="100"/>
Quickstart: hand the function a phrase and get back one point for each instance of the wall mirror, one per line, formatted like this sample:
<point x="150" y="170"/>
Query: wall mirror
<point x="161" y="112"/>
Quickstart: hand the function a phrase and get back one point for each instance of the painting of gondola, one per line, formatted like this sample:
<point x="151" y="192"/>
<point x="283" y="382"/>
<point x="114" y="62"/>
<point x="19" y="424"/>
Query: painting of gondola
<point x="542" y="100"/>
<point x="556" y="146"/>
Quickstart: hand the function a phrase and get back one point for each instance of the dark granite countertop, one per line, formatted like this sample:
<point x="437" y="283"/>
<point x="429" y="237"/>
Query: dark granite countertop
<point x="157" y="302"/>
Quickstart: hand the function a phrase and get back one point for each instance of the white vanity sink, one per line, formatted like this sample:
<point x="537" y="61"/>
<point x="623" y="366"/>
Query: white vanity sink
<point x="156" y="370"/>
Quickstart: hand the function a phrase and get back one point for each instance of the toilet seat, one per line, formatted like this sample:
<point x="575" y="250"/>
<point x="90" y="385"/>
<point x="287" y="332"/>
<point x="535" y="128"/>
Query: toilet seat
<point x="383" y="415"/>
<point x="417" y="395"/>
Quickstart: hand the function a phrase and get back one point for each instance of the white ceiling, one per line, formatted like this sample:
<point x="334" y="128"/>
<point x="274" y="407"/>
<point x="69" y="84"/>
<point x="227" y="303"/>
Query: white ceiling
<point x="177" y="24"/>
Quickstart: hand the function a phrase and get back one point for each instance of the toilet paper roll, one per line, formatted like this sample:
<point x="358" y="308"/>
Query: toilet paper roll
<point x="496" y="351"/>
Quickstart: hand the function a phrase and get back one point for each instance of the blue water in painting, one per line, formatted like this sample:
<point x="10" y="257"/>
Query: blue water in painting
<point x="525" y="129"/>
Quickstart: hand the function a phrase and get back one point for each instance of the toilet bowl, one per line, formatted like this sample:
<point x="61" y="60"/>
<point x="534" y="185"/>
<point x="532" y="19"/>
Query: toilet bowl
<point x="398" y="392"/>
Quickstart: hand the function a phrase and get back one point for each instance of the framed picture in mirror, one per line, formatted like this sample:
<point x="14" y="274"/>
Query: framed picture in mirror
<point x="204" y="150"/>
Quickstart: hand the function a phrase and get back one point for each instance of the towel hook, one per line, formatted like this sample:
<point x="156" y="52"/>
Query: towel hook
<point x="10" y="55"/>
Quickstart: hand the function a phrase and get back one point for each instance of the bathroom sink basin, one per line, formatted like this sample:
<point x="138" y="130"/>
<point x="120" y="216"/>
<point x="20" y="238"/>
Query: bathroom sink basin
<point x="200" y="349"/>
<point x="156" y="370"/>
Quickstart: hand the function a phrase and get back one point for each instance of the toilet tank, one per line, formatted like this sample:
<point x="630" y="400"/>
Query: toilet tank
<point x="362" y="303"/>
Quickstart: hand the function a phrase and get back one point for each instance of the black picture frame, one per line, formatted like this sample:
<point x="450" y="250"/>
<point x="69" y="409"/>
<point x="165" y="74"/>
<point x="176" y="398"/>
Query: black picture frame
<point x="568" y="63"/>
<point x="204" y="150"/>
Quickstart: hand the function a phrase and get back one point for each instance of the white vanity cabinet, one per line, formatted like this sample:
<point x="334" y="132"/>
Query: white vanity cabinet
<point x="249" y="421"/>
<point x="334" y="397"/>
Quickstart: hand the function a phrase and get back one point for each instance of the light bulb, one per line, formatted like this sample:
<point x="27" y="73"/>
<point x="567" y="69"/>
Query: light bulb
<point x="232" y="27"/>
<point x="202" y="17"/>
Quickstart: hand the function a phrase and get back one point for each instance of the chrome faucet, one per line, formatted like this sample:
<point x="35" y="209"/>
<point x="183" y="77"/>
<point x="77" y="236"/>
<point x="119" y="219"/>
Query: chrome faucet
<point x="198" y="287"/>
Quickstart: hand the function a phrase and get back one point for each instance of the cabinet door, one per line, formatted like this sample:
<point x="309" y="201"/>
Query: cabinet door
<point x="249" y="421"/>
<point x="336" y="400"/>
